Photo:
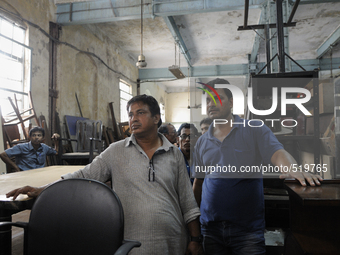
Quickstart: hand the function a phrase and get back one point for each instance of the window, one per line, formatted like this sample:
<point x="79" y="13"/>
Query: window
<point x="125" y="92"/>
<point x="162" y="108"/>
<point x="14" y="77"/>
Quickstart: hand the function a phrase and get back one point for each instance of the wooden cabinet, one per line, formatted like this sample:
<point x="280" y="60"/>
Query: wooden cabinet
<point x="314" y="218"/>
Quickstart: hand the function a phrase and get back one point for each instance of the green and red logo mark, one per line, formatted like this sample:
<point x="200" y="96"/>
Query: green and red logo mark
<point x="208" y="92"/>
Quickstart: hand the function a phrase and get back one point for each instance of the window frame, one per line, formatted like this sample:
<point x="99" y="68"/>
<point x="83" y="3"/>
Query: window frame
<point x="123" y="112"/>
<point x="25" y="61"/>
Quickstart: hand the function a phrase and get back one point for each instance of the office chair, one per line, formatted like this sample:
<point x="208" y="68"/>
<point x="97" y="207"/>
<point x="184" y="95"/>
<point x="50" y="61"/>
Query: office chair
<point x="76" y="216"/>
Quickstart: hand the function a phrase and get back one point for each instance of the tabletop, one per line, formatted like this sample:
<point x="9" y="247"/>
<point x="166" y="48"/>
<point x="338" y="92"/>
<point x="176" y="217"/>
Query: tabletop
<point x="36" y="178"/>
<point x="327" y="194"/>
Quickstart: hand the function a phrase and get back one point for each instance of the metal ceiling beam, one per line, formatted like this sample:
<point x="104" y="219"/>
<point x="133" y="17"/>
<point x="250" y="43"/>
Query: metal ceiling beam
<point x="101" y="10"/>
<point x="170" y="22"/>
<point x="232" y="70"/>
<point x="332" y="40"/>
<point x="290" y="19"/>
<point x="258" y="37"/>
<point x="317" y="1"/>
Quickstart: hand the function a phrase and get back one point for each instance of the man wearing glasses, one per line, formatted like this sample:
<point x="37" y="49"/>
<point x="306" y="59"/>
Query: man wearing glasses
<point x="149" y="176"/>
<point x="187" y="137"/>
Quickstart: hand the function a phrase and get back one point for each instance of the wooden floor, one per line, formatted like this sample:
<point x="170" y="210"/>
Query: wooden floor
<point x="18" y="233"/>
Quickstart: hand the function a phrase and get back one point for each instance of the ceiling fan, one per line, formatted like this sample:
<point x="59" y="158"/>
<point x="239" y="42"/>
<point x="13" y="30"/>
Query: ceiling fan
<point x="141" y="58"/>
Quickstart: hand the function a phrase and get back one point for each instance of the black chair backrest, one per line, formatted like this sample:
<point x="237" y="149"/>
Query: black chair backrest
<point x="75" y="216"/>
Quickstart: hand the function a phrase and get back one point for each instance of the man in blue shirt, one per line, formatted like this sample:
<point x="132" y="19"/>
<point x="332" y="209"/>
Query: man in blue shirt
<point x="30" y="155"/>
<point x="230" y="197"/>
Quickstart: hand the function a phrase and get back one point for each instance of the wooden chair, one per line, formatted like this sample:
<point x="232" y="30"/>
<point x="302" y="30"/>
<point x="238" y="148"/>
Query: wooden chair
<point x="19" y="116"/>
<point x="88" y="139"/>
<point x="25" y="114"/>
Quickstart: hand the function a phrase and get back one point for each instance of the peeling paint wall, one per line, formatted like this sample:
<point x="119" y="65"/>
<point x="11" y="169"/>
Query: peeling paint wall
<point x="96" y="85"/>
<point x="77" y="72"/>
<point x="178" y="113"/>
<point x="155" y="90"/>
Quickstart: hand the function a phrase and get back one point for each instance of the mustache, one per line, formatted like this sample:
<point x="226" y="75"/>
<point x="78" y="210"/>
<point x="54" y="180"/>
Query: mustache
<point x="212" y="109"/>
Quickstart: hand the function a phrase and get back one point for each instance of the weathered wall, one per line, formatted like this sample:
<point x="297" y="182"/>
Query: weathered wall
<point x="39" y="12"/>
<point x="81" y="73"/>
<point x="152" y="89"/>
<point x="77" y="72"/>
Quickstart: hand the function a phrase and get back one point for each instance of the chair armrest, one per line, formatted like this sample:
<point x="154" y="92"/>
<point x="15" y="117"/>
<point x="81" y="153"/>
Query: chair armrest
<point x="14" y="224"/>
<point x="127" y="246"/>
<point x="95" y="139"/>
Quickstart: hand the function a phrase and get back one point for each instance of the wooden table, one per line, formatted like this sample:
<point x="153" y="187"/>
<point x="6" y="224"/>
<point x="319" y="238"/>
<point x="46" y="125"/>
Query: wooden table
<point x="315" y="218"/>
<point x="8" y="182"/>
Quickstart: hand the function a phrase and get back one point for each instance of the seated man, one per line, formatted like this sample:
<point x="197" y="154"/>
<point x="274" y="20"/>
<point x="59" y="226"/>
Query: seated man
<point x="187" y="137"/>
<point x="30" y="155"/>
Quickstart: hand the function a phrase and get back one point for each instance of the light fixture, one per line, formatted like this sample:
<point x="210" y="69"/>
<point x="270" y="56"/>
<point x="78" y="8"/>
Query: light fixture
<point x="175" y="69"/>
<point x="141" y="58"/>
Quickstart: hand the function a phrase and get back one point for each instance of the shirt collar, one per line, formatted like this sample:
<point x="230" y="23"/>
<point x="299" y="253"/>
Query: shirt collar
<point x="30" y="146"/>
<point x="166" y="144"/>
<point x="237" y="125"/>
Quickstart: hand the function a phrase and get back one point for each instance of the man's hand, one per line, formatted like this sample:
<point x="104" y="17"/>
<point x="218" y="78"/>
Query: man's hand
<point x="28" y="190"/>
<point x="55" y="136"/>
<point x="194" y="248"/>
<point x="302" y="177"/>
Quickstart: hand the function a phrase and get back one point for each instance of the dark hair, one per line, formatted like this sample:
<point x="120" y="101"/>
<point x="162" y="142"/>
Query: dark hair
<point x="148" y="100"/>
<point x="207" y="121"/>
<point x="189" y="126"/>
<point x="37" y="129"/>
<point x="221" y="81"/>
<point x="163" y="129"/>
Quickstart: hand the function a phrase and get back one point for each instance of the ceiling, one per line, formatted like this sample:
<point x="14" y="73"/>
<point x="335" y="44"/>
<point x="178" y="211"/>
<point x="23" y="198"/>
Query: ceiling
<point x="207" y="30"/>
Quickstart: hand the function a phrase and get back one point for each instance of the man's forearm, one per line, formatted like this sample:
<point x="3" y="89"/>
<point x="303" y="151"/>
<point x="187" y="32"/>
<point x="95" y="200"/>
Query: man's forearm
<point x="9" y="162"/>
<point x="282" y="158"/>
<point x="194" y="228"/>
<point x="197" y="188"/>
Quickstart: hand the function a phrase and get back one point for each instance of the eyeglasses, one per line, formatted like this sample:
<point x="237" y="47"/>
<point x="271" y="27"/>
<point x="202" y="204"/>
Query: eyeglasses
<point x="184" y="136"/>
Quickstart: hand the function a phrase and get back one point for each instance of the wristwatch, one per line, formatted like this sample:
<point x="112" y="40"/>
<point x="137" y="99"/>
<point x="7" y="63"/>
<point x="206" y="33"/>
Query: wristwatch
<point x="198" y="239"/>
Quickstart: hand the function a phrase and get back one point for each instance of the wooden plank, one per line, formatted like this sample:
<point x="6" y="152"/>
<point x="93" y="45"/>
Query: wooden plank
<point x="107" y="141"/>
<point x="110" y="134"/>
<point x="116" y="130"/>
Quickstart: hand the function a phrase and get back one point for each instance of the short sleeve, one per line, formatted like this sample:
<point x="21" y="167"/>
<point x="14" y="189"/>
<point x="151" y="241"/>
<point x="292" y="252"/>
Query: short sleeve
<point x="14" y="151"/>
<point x="267" y="143"/>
